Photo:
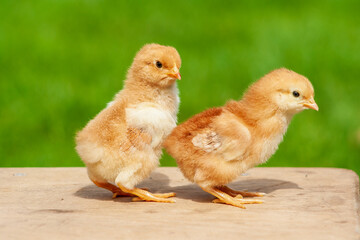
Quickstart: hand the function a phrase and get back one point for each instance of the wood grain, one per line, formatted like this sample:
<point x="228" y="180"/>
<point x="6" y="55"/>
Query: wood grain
<point x="62" y="203"/>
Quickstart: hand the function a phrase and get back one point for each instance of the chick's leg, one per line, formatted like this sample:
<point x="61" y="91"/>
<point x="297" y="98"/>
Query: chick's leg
<point x="130" y="176"/>
<point x="147" y="196"/>
<point x="223" y="197"/>
<point x="239" y="194"/>
<point x="115" y="190"/>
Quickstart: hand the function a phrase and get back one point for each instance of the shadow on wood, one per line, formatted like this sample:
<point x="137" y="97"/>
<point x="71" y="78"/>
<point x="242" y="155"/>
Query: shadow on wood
<point x="159" y="182"/>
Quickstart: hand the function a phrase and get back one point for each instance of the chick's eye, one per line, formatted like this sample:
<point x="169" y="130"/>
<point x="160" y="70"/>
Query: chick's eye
<point x="296" y="93"/>
<point x="158" y="64"/>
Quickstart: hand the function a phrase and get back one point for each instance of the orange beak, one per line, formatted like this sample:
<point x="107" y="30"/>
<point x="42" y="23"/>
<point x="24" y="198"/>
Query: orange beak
<point x="311" y="104"/>
<point x="175" y="73"/>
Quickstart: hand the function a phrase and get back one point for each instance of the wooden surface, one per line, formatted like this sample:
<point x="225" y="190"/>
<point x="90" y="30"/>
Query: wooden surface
<point x="61" y="203"/>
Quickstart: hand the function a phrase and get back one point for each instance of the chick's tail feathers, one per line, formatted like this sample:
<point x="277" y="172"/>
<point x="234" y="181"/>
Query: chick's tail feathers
<point x="89" y="152"/>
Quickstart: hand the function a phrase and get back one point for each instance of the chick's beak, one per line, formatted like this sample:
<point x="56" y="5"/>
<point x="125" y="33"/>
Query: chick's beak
<point x="175" y="73"/>
<point x="311" y="104"/>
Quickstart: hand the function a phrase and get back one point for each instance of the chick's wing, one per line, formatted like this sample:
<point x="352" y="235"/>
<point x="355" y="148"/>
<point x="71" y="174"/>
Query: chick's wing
<point x="208" y="141"/>
<point x="227" y="137"/>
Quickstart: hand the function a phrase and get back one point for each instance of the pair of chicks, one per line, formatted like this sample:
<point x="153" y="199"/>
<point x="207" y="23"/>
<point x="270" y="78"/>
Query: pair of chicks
<point x="122" y="145"/>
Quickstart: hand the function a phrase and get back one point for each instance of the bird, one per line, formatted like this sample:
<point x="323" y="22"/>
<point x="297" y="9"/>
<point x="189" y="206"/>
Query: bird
<point x="217" y="145"/>
<point x="122" y="144"/>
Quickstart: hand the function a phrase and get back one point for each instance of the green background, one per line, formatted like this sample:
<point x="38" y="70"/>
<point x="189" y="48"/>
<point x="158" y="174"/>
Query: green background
<point x="62" y="61"/>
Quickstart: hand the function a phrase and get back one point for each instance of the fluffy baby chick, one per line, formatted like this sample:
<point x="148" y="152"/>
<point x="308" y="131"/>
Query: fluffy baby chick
<point x="214" y="147"/>
<point x="122" y="145"/>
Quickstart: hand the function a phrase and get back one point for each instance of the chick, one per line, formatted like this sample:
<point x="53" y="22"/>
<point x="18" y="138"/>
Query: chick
<point x="214" y="147"/>
<point x="122" y="145"/>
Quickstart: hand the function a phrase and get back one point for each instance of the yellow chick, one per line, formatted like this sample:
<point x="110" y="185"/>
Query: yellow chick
<point x="122" y="145"/>
<point x="214" y="147"/>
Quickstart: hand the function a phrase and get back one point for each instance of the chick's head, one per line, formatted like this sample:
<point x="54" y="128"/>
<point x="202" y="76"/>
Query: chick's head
<point x="288" y="90"/>
<point x="156" y="64"/>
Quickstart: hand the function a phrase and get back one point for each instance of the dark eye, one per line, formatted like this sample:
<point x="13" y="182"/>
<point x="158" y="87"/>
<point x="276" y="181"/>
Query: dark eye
<point x="158" y="64"/>
<point x="296" y="93"/>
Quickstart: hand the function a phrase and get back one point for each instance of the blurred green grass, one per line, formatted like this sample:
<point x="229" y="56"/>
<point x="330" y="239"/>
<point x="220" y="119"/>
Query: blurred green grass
<point x="62" y="61"/>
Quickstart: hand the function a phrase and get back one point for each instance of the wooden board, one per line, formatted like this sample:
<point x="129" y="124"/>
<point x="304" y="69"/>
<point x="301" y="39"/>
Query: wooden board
<point x="61" y="203"/>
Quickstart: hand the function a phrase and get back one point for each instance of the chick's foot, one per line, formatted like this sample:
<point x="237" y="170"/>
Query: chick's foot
<point x="223" y="197"/>
<point x="143" y="195"/>
<point x="239" y="194"/>
<point x="115" y="190"/>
